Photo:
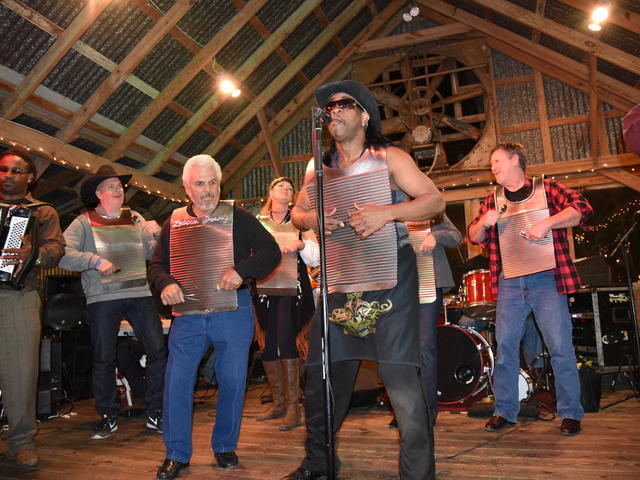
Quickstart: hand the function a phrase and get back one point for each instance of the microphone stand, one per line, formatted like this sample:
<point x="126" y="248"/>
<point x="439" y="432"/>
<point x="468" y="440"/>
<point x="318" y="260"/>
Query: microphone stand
<point x="318" y="116"/>
<point x="625" y="250"/>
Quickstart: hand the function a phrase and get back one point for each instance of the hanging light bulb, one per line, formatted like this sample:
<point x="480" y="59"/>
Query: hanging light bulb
<point x="227" y="86"/>
<point x="236" y="93"/>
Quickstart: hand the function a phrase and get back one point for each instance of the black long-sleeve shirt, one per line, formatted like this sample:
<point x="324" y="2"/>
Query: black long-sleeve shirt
<point x="255" y="251"/>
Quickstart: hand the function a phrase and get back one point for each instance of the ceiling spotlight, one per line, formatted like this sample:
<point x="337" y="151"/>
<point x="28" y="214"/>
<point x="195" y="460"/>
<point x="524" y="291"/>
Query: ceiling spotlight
<point x="600" y="14"/>
<point x="414" y="12"/>
<point x="236" y="93"/>
<point x="227" y="86"/>
<point x="595" y="27"/>
<point x="406" y="16"/>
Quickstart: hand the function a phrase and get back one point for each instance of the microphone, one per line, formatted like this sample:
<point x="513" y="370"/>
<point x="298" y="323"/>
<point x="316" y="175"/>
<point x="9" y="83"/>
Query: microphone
<point x="322" y="115"/>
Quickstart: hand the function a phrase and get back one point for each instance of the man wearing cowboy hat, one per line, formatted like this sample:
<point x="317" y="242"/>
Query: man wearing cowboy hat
<point x="20" y="312"/>
<point x="109" y="245"/>
<point x="368" y="321"/>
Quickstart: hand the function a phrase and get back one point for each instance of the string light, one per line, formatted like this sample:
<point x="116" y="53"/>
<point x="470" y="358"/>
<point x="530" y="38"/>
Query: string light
<point x="87" y="167"/>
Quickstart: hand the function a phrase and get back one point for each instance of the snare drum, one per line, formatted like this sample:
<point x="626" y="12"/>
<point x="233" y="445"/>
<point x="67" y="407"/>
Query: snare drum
<point x="465" y="363"/>
<point x="478" y="297"/>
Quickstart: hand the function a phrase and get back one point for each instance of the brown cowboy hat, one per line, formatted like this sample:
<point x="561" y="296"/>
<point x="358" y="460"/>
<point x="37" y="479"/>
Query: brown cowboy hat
<point x="88" y="189"/>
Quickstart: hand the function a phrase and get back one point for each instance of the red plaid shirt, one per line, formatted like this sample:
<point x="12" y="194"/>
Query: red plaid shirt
<point x="558" y="198"/>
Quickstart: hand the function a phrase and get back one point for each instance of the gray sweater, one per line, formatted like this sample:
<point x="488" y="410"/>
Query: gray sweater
<point x="81" y="256"/>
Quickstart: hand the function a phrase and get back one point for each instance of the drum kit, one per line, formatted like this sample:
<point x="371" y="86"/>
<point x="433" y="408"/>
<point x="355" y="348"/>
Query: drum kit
<point x="466" y="356"/>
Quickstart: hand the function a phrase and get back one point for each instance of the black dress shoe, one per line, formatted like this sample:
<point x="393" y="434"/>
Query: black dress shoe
<point x="569" y="426"/>
<point x="303" y="474"/>
<point x="226" y="459"/>
<point x="496" y="423"/>
<point x="171" y="469"/>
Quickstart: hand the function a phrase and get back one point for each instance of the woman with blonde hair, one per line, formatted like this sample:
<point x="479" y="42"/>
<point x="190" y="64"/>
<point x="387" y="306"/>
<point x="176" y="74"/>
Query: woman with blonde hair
<point x="284" y="303"/>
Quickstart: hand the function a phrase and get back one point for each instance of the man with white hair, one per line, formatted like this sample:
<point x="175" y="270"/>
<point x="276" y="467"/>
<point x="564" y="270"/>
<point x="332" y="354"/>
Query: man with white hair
<point x="208" y="255"/>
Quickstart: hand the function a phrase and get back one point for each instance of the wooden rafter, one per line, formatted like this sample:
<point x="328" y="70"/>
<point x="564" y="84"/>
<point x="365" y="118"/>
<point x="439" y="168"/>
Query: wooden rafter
<point x="624" y="177"/>
<point x="567" y="35"/>
<point x="286" y="75"/>
<point x="298" y="107"/>
<point x="544" y="59"/>
<point x="12" y="106"/>
<point x="414" y="38"/>
<point x="242" y="73"/>
<point x="181" y="80"/>
<point x="81" y="160"/>
<point x="272" y="148"/>
<point x="126" y="67"/>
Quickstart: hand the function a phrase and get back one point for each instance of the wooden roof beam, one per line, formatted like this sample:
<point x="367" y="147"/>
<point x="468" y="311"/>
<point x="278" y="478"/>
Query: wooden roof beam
<point x="567" y="35"/>
<point x="81" y="160"/>
<point x="617" y="15"/>
<point x="414" y="38"/>
<point x="12" y="106"/>
<point x="546" y="60"/>
<point x="126" y="67"/>
<point x="295" y="110"/>
<point x="181" y="80"/>
<point x="265" y="33"/>
<point x="272" y="148"/>
<point x="286" y="75"/>
<point x="243" y="72"/>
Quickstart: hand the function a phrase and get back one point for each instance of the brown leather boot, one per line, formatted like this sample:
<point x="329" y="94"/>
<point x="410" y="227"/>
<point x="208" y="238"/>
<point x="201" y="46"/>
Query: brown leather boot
<point x="292" y="375"/>
<point x="273" y="369"/>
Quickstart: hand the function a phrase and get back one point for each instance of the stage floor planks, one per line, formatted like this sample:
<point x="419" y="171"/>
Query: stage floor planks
<point x="534" y="449"/>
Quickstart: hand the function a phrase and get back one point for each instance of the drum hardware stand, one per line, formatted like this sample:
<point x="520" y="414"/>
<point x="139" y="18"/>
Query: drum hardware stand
<point x="319" y="116"/>
<point x="543" y="379"/>
<point x="625" y="243"/>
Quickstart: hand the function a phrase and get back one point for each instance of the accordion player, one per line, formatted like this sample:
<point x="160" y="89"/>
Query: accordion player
<point x="17" y="221"/>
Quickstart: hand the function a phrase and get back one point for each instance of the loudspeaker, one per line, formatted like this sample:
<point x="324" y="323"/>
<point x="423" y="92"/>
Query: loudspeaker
<point x="76" y="363"/>
<point x="64" y="302"/>
<point x="602" y="326"/>
<point x="49" y="401"/>
<point x="593" y="271"/>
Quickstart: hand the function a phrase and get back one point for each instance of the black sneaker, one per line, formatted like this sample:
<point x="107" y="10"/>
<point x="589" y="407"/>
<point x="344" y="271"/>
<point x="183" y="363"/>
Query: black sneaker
<point x="105" y="427"/>
<point x="154" y="422"/>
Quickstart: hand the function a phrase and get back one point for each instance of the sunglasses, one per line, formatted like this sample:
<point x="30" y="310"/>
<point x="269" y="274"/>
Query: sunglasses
<point x="343" y="104"/>
<point x="13" y="170"/>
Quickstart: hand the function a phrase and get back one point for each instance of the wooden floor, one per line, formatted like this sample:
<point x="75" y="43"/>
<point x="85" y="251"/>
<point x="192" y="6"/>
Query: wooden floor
<point x="607" y="448"/>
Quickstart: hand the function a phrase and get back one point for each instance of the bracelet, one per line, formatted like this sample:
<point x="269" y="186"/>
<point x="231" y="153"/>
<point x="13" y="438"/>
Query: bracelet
<point x="98" y="262"/>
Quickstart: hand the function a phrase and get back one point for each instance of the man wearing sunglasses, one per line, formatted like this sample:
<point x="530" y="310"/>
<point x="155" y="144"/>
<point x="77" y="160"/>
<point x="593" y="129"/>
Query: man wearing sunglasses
<point x="20" y="312"/>
<point x="378" y="324"/>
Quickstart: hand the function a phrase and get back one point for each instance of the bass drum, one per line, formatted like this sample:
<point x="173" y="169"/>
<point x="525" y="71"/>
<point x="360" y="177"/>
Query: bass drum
<point x="465" y="363"/>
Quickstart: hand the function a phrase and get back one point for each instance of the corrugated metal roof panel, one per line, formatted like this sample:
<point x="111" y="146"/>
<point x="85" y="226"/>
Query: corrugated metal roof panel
<point x="274" y="13"/>
<point x="507" y="67"/>
<point x="228" y="111"/>
<point x="298" y="140"/>
<point x="164" y="126"/>
<point x="117" y="30"/>
<point x="60" y="13"/>
<point x="206" y="18"/>
<point x="196" y="143"/>
<point x="224" y="156"/>
<point x="196" y="92"/>
<point x="570" y="142"/>
<point x="563" y="100"/>
<point x="286" y="94"/>
<point x="356" y="26"/>
<point x="318" y="62"/>
<point x="517" y="103"/>
<point x="125" y="104"/>
<point x="302" y="36"/>
<point x="23" y="44"/>
<point x="532" y="141"/>
<point x="163" y="63"/>
<point x="248" y="132"/>
<point x="75" y="77"/>
<point x="266" y="72"/>
<point x="241" y="46"/>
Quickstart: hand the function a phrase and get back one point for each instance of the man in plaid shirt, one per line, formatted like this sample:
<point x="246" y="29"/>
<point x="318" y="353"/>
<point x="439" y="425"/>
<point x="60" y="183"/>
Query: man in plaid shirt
<point x="543" y="293"/>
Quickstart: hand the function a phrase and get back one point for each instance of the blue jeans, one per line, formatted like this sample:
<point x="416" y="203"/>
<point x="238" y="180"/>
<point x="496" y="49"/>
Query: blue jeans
<point x="429" y="314"/>
<point x="230" y="333"/>
<point x="516" y="299"/>
<point x="104" y="320"/>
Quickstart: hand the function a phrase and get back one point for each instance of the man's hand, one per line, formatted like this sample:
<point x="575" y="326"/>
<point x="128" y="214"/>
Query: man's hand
<point x="230" y="280"/>
<point x="428" y="244"/>
<point x="106" y="267"/>
<point x="369" y="218"/>
<point x="172" y="294"/>
<point x="17" y="256"/>
<point x="537" y="231"/>
<point x="292" y="246"/>
<point x="490" y="218"/>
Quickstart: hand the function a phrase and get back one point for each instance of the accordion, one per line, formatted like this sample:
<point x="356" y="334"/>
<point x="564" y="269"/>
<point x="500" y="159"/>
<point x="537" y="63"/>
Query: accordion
<point x="16" y="221"/>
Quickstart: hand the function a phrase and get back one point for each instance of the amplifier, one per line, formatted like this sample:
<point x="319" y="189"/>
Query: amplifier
<point x="602" y="326"/>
